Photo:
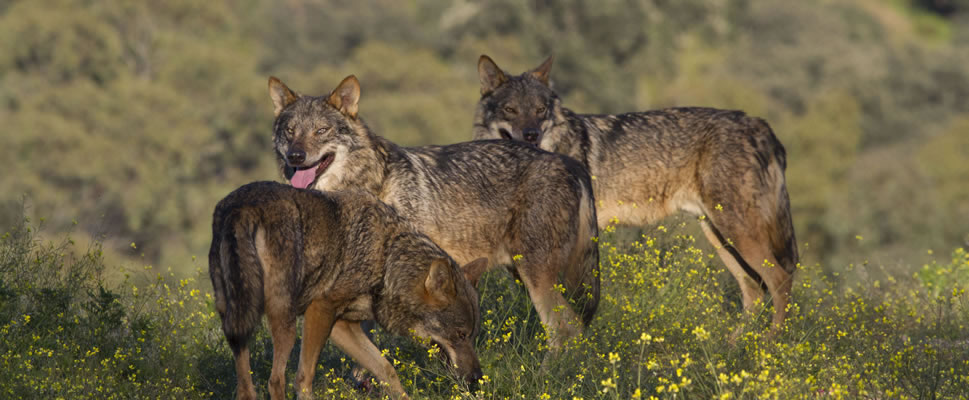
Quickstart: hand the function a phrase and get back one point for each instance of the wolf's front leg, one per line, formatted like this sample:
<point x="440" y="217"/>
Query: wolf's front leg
<point x="350" y="338"/>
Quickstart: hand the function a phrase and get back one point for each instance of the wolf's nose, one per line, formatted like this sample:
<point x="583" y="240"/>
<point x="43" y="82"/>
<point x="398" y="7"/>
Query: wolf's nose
<point x="296" y="157"/>
<point x="531" y="135"/>
<point x="473" y="378"/>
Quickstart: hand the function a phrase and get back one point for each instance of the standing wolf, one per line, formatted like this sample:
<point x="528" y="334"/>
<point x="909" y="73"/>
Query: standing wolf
<point x="722" y="165"/>
<point x="509" y="202"/>
<point x="338" y="259"/>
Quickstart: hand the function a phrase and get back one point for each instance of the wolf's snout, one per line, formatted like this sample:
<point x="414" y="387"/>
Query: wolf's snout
<point x="530" y="135"/>
<point x="295" y="157"/>
<point x="473" y="379"/>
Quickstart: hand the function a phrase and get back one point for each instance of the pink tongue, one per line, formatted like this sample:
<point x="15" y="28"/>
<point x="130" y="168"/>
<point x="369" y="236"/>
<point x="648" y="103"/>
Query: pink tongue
<point x="304" y="177"/>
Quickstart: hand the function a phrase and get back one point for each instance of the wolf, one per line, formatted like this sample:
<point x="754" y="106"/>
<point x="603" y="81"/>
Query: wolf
<point x="724" y="166"/>
<point x="516" y="205"/>
<point x="337" y="259"/>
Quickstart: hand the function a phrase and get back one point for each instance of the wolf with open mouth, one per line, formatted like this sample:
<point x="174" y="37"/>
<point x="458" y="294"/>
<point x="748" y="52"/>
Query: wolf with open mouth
<point x="518" y="206"/>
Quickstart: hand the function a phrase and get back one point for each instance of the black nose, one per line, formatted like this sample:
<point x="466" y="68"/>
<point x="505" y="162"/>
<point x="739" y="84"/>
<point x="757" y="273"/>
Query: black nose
<point x="473" y="379"/>
<point x="296" y="157"/>
<point x="531" y="135"/>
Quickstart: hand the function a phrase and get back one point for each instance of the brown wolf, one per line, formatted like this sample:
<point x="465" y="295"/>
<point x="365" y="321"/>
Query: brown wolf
<point x="722" y="165"/>
<point x="338" y="259"/>
<point x="510" y="202"/>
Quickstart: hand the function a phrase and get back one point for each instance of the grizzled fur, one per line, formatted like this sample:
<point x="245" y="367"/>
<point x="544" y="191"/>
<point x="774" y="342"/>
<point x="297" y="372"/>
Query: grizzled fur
<point x="722" y="165"/>
<point x="338" y="258"/>
<point x="494" y="199"/>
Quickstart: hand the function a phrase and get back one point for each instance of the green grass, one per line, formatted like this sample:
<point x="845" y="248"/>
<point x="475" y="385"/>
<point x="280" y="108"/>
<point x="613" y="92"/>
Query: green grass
<point x="661" y="332"/>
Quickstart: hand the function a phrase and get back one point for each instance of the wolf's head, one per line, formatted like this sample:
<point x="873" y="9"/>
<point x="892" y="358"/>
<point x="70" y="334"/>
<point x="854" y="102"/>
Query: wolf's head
<point x="440" y="306"/>
<point x="314" y="135"/>
<point x="522" y="107"/>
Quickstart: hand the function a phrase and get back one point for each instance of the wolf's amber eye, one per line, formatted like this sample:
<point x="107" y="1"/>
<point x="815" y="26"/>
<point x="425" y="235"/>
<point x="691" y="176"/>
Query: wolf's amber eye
<point x="289" y="131"/>
<point x="511" y="110"/>
<point x="322" y="130"/>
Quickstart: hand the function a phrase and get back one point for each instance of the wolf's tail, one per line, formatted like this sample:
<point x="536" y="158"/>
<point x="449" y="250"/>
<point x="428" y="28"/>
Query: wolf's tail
<point x="237" y="277"/>
<point x="781" y="232"/>
<point x="782" y="240"/>
<point x="581" y="277"/>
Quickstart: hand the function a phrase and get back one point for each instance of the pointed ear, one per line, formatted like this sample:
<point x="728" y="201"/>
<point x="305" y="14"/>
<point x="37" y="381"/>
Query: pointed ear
<point x="490" y="75"/>
<point x="280" y="95"/>
<point x="438" y="281"/>
<point x="474" y="269"/>
<point x="345" y="96"/>
<point x="542" y="71"/>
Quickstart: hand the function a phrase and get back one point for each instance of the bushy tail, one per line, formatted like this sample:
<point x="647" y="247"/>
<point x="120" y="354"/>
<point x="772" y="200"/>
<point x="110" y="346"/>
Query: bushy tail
<point x="782" y="241"/>
<point x="581" y="277"/>
<point x="237" y="280"/>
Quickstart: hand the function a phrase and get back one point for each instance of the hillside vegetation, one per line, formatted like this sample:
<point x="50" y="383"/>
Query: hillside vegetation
<point x="131" y="119"/>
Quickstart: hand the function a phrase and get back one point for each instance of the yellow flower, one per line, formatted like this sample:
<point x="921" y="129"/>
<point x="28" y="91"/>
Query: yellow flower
<point x="700" y="333"/>
<point x="608" y="384"/>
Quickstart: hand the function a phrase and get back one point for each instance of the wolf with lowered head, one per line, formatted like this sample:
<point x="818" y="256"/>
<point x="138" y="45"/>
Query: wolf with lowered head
<point x="337" y="259"/>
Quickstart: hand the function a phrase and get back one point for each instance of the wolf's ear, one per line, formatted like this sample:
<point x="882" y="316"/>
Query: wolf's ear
<point x="474" y="269"/>
<point x="281" y="95"/>
<point x="542" y="71"/>
<point x="345" y="96"/>
<point x="490" y="75"/>
<point x="438" y="283"/>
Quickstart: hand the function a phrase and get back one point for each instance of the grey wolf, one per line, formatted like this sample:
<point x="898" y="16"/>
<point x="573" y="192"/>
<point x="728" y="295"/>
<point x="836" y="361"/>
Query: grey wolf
<point x="514" y="204"/>
<point x="724" y="166"/>
<point x="337" y="259"/>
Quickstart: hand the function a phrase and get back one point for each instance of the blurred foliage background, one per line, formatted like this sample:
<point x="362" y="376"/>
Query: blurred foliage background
<point x="129" y="120"/>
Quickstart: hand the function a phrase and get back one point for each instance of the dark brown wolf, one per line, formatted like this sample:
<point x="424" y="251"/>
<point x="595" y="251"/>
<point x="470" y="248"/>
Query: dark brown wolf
<point x="337" y="259"/>
<point x="510" y="202"/>
<point x="724" y="166"/>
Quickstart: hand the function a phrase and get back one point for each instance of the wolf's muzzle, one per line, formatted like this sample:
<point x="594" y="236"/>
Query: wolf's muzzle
<point x="531" y="135"/>
<point x="295" y="157"/>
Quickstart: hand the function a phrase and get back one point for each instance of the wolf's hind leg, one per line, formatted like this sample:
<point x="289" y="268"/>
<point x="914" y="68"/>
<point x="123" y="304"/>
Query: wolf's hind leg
<point x="748" y="257"/>
<point x="750" y="288"/>
<point x="283" y="330"/>
<point x="560" y="321"/>
<point x="245" y="390"/>
<point x="317" y="325"/>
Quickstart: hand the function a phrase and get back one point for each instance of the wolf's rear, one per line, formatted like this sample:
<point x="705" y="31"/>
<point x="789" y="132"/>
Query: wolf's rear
<point x="236" y="273"/>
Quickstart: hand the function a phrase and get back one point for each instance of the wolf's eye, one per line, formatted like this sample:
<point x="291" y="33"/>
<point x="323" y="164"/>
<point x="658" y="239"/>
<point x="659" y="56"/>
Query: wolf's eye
<point x="322" y="130"/>
<point x="289" y="131"/>
<point x="540" y="110"/>
<point x="511" y="110"/>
